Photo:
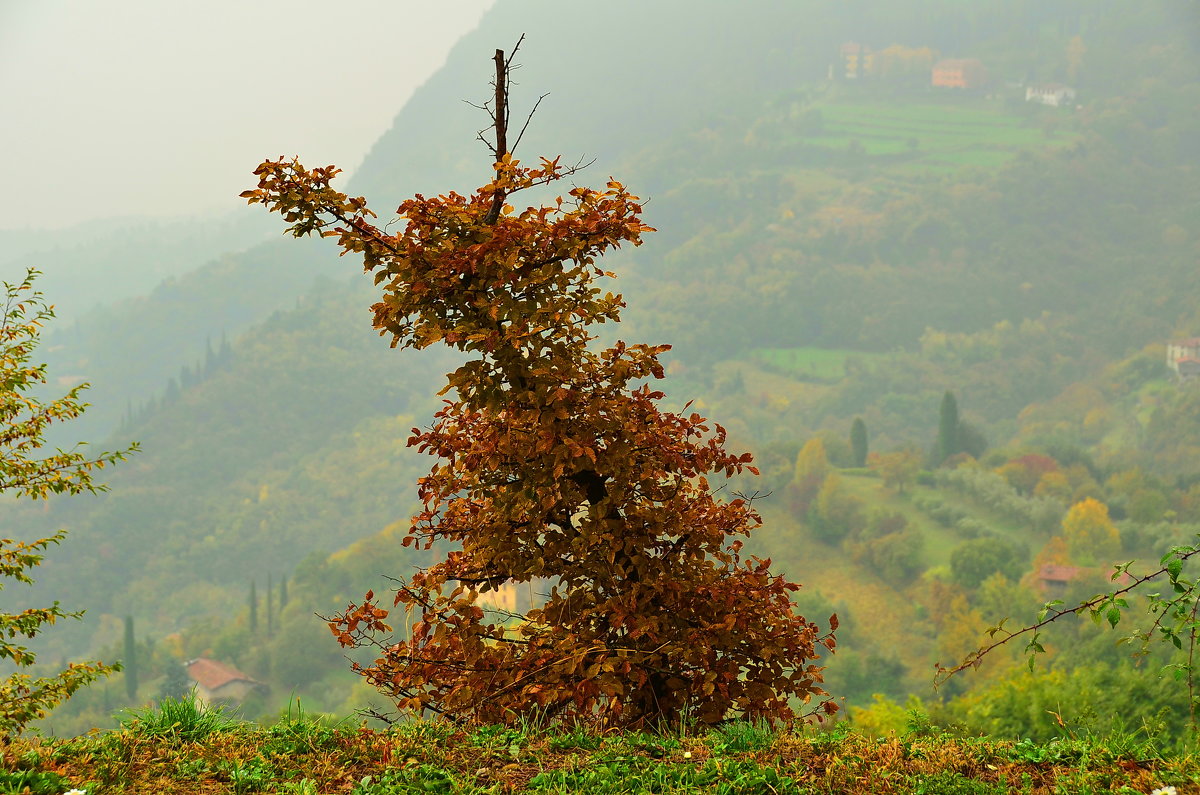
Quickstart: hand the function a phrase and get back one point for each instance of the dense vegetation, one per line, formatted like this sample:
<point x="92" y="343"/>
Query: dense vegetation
<point x="183" y="748"/>
<point x="830" y="250"/>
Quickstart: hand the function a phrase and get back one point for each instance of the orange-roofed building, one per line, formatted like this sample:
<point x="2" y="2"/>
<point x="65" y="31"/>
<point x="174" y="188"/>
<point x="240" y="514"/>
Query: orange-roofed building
<point x="1183" y="357"/>
<point x="1054" y="579"/>
<point x="216" y="681"/>
<point x="958" y="73"/>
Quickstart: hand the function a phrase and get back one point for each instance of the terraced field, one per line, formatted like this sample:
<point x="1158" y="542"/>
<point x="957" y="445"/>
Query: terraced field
<point x="935" y="135"/>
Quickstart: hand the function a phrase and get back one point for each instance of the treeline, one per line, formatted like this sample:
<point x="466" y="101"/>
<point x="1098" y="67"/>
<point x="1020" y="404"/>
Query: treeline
<point x="213" y="362"/>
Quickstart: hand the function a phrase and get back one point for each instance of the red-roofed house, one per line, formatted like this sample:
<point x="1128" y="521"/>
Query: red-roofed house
<point x="1183" y="356"/>
<point x="216" y="681"/>
<point x="1054" y="579"/>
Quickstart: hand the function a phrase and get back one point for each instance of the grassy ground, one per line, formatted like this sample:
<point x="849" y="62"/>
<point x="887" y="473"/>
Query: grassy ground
<point x="940" y="541"/>
<point x="188" y="750"/>
<point x="826" y="364"/>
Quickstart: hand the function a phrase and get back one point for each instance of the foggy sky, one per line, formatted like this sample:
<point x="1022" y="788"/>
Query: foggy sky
<point x="146" y="107"/>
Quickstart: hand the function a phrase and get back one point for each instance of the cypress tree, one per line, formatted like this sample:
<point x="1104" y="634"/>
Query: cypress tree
<point x="130" y="662"/>
<point x="270" y="608"/>
<point x="947" y="441"/>
<point x="210" y="357"/>
<point x="253" y="608"/>
<point x="858" y="442"/>
<point x="283" y="596"/>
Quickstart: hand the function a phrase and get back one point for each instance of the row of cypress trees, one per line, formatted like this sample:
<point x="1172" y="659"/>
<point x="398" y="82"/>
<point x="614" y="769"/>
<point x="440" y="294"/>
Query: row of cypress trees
<point x="272" y="611"/>
<point x="214" y="361"/>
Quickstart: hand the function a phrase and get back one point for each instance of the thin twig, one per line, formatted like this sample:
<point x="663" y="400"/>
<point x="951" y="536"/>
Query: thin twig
<point x="528" y="118"/>
<point x="974" y="658"/>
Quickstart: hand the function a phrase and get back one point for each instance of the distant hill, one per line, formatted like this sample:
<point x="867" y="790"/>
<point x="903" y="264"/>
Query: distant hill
<point x="95" y="264"/>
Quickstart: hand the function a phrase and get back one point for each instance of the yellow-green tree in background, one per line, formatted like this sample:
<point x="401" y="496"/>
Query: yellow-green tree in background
<point x="1092" y="538"/>
<point x="898" y="468"/>
<point x="812" y="466"/>
<point x="836" y="512"/>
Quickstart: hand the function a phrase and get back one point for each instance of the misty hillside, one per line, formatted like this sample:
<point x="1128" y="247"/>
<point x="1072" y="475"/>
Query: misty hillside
<point x="828" y="249"/>
<point x="291" y="441"/>
<point x="732" y="129"/>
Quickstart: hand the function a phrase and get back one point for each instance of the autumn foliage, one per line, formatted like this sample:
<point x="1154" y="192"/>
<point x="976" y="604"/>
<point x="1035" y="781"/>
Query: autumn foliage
<point x="557" y="466"/>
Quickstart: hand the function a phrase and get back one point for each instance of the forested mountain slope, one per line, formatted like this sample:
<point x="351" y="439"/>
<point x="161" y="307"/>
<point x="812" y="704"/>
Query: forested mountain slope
<point x="129" y="350"/>
<point x="292" y="441"/>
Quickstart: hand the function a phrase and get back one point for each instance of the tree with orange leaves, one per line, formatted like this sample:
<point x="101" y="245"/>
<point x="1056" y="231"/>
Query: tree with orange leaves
<point x="555" y="464"/>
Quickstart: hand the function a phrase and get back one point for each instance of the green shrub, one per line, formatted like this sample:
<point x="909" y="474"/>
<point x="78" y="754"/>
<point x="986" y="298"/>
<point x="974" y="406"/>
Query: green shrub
<point x="181" y="721"/>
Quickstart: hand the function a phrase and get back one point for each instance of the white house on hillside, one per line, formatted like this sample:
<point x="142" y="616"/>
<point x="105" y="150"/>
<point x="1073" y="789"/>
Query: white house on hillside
<point x="1053" y="94"/>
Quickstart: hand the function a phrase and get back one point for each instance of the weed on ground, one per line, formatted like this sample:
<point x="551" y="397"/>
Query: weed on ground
<point x="310" y="758"/>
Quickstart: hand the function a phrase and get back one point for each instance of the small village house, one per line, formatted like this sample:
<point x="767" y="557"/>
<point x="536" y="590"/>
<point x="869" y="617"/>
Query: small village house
<point x="1053" y="579"/>
<point x="217" y="681"/>
<point x="958" y="73"/>
<point x="1183" y="357"/>
<point x="503" y="597"/>
<point x="857" y="60"/>
<point x="1052" y="94"/>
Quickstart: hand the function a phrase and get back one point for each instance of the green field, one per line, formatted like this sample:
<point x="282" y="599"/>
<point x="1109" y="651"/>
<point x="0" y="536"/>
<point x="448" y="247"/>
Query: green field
<point x="943" y="134"/>
<point x="826" y="364"/>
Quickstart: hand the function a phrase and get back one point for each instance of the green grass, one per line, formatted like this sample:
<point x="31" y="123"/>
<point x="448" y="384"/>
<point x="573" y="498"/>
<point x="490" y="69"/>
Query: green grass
<point x="946" y="135"/>
<point x="979" y="158"/>
<point x="826" y="364"/>
<point x="307" y="758"/>
<point x="180" y="721"/>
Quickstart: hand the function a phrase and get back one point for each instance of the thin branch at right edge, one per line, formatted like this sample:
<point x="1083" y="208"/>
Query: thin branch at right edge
<point x="974" y="658"/>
